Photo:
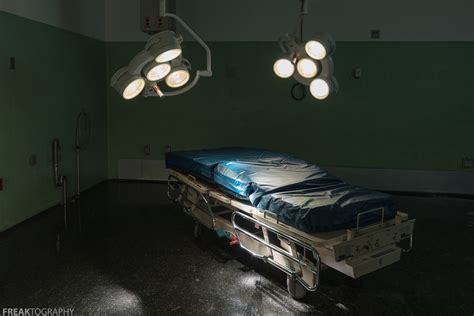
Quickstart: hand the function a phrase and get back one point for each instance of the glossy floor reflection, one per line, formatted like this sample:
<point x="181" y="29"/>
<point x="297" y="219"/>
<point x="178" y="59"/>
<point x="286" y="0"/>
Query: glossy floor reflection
<point x="137" y="255"/>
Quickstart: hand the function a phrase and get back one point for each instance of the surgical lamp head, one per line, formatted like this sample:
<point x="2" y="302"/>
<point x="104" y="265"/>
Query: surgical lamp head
<point x="284" y="67"/>
<point x="320" y="45"/>
<point x="127" y="84"/>
<point x="164" y="46"/>
<point x="128" y="81"/>
<point x="179" y="74"/>
<point x="307" y="68"/>
<point x="321" y="87"/>
<point x="307" y="62"/>
<point x="325" y="83"/>
<point x="161" y="61"/>
<point x="154" y="71"/>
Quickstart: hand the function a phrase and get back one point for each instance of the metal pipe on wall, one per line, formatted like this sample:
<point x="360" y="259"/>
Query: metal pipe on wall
<point x="78" y="172"/>
<point x="64" y="185"/>
<point x="82" y="131"/>
<point x="56" y="148"/>
<point x="60" y="181"/>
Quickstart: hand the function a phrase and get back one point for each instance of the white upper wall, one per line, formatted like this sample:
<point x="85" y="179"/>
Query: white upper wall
<point x="86" y="17"/>
<point x="262" y="20"/>
<point x="346" y="20"/>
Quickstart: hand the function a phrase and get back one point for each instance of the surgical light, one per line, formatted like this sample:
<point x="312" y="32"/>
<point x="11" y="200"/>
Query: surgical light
<point x="177" y="78"/>
<point x="323" y="86"/>
<point x="315" y="50"/>
<point x="319" y="88"/>
<point x="128" y="85"/>
<point x="164" y="46"/>
<point x="320" y="46"/>
<point x="168" y="55"/>
<point x="283" y="68"/>
<point x="134" y="88"/>
<point x="162" y="60"/>
<point x="155" y="72"/>
<point x="311" y="59"/>
<point x="307" y="68"/>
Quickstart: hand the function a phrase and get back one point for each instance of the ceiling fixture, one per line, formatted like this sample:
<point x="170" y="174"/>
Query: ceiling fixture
<point x="161" y="60"/>
<point x="308" y="62"/>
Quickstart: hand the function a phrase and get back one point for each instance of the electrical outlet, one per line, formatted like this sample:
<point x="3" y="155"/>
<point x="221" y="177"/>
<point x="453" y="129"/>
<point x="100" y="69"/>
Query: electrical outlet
<point x="12" y="63"/>
<point x="467" y="162"/>
<point x="357" y="72"/>
<point x="33" y="160"/>
<point x="147" y="150"/>
<point x="375" y="34"/>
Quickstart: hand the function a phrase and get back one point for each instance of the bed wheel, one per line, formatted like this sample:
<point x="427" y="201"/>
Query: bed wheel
<point x="296" y="290"/>
<point x="197" y="230"/>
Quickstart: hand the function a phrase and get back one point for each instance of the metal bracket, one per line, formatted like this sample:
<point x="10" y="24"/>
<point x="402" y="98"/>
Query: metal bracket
<point x="206" y="200"/>
<point x="371" y="211"/>
<point x="297" y="258"/>
<point x="199" y="73"/>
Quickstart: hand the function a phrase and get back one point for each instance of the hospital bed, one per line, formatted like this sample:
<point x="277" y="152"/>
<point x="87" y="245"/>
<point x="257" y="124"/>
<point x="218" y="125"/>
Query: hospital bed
<point x="354" y="251"/>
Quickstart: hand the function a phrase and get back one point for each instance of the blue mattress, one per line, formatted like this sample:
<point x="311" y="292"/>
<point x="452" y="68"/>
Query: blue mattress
<point x="299" y="193"/>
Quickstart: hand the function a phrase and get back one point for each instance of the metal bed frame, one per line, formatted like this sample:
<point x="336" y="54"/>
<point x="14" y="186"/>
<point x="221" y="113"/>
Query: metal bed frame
<point x="354" y="252"/>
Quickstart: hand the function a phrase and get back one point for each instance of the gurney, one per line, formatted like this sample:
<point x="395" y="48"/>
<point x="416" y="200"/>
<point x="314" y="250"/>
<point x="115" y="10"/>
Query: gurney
<point x="355" y="251"/>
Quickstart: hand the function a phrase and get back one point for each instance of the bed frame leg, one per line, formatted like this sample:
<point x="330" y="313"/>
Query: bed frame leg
<point x="295" y="288"/>
<point x="197" y="230"/>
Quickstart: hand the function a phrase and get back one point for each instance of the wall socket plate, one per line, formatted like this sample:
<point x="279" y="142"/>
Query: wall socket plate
<point x="357" y="72"/>
<point x="12" y="63"/>
<point x="33" y="160"/>
<point x="467" y="162"/>
<point x="375" y="34"/>
<point x="147" y="150"/>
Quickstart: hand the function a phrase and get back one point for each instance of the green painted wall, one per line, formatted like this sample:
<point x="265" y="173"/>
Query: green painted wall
<point x="413" y="108"/>
<point x="58" y="74"/>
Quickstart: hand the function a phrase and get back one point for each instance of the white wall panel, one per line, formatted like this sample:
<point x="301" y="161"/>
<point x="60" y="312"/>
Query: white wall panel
<point x="347" y="20"/>
<point x="86" y="17"/>
<point x="262" y="20"/>
<point x="423" y="181"/>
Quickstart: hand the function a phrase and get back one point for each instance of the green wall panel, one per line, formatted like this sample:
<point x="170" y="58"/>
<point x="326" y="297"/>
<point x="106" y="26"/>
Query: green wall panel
<point x="412" y="109"/>
<point x="58" y="73"/>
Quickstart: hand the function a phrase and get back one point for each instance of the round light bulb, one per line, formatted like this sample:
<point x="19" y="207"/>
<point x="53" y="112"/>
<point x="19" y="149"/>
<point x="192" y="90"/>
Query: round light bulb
<point x="158" y="72"/>
<point x="316" y="50"/>
<point x="283" y="68"/>
<point x="168" y="55"/>
<point x="307" y="68"/>
<point x="319" y="88"/>
<point x="133" y="89"/>
<point x="177" y="78"/>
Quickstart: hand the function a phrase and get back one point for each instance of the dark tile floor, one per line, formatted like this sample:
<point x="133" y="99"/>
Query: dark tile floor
<point x="137" y="255"/>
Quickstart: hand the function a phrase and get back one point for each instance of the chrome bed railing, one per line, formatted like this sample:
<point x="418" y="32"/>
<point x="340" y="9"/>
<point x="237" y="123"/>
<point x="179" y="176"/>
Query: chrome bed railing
<point x="354" y="252"/>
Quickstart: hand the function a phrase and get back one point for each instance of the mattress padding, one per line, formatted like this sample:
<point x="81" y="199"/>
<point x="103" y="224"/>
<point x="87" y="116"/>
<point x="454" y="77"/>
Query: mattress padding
<point x="300" y="194"/>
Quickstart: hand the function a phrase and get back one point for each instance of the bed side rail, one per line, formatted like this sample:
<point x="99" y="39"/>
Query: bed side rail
<point x="194" y="200"/>
<point x="372" y="240"/>
<point x="297" y="259"/>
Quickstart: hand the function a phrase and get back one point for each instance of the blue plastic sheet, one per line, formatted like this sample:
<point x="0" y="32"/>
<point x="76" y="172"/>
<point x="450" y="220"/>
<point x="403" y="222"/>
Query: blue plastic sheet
<point x="300" y="194"/>
<point x="201" y="163"/>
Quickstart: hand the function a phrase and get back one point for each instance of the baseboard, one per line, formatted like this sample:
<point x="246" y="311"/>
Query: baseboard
<point x="419" y="181"/>
<point x="391" y="180"/>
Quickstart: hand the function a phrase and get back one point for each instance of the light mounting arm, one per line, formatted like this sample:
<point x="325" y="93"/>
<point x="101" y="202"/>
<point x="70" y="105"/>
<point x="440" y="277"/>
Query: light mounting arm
<point x="199" y="73"/>
<point x="161" y="61"/>
<point x="308" y="62"/>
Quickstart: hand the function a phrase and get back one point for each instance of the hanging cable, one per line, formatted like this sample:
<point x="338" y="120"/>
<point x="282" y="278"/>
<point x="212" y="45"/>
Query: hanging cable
<point x="303" y="10"/>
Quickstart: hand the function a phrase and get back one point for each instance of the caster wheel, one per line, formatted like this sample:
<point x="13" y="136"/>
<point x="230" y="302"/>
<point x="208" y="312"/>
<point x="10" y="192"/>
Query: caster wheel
<point x="58" y="243"/>
<point x="197" y="230"/>
<point x="295" y="289"/>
